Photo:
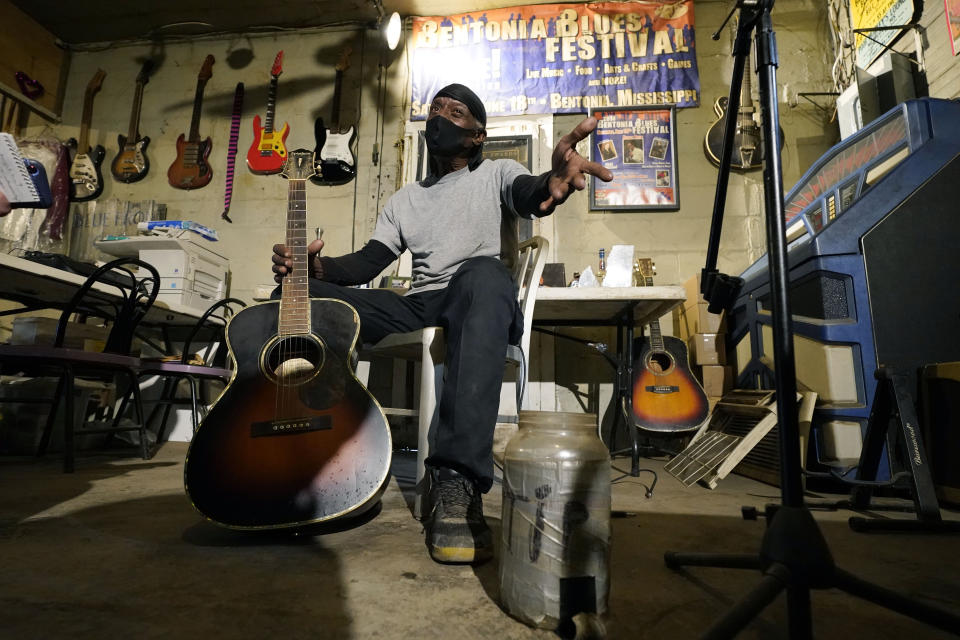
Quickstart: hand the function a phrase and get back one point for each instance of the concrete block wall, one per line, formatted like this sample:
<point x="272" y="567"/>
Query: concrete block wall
<point x="305" y="91"/>
<point x="374" y="100"/>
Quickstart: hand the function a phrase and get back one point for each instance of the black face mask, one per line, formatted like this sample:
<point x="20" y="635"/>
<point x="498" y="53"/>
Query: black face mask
<point x="445" y="139"/>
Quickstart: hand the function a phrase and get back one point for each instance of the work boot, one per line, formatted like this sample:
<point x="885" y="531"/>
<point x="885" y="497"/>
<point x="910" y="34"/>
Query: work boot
<point x="456" y="530"/>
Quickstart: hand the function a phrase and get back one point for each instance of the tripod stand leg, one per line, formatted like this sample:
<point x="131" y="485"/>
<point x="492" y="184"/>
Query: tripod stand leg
<point x="934" y="616"/>
<point x="737" y="617"/>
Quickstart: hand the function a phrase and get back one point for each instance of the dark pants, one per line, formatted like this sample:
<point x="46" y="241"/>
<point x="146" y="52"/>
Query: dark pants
<point x="479" y="314"/>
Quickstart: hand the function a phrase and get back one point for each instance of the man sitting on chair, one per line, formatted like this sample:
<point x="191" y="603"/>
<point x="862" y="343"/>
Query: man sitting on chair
<point x="451" y="223"/>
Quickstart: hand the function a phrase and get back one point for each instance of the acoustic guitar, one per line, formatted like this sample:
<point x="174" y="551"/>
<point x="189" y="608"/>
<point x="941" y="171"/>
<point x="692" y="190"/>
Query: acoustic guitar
<point x="747" y="141"/>
<point x="131" y="163"/>
<point x="295" y="438"/>
<point x="666" y="396"/>
<point x="86" y="180"/>
<point x="191" y="169"/>
<point x="268" y="153"/>
<point x="336" y="163"/>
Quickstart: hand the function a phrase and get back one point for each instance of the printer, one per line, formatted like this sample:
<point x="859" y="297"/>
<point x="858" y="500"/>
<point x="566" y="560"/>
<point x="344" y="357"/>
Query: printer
<point x="190" y="273"/>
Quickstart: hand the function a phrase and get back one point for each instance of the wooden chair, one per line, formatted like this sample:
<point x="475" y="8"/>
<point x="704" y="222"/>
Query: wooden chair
<point x="213" y="321"/>
<point x="113" y="364"/>
<point x="427" y="346"/>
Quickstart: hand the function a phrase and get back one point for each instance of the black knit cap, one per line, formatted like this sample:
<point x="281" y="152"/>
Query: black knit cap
<point x="467" y="97"/>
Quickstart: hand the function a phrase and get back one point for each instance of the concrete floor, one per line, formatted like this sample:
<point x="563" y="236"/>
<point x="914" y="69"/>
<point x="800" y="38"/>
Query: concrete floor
<point x="116" y="551"/>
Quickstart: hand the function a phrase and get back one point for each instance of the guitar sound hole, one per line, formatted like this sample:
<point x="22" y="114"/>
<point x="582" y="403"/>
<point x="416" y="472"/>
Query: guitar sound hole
<point x="659" y="363"/>
<point x="293" y="360"/>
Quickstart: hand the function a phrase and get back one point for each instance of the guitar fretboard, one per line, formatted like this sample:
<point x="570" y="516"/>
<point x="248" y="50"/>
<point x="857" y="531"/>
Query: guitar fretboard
<point x="271" y="102"/>
<point x="195" y="118"/>
<point x="295" y="291"/>
<point x="656" y="338"/>
<point x="134" y="128"/>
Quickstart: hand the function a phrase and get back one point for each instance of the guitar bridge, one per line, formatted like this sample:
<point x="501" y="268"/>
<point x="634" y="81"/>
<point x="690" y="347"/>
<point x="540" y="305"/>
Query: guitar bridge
<point x="661" y="388"/>
<point x="290" y="426"/>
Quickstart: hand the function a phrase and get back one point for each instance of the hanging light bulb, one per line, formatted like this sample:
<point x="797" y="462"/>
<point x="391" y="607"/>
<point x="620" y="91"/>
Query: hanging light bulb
<point x="393" y="30"/>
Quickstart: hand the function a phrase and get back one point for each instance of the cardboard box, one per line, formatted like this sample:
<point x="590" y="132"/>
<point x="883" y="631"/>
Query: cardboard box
<point x="716" y="379"/>
<point x="693" y="318"/>
<point x="22" y="423"/>
<point x="39" y="331"/>
<point x="692" y="289"/>
<point x="707" y="348"/>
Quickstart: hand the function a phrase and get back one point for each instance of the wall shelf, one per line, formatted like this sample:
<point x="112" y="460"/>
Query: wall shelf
<point x="15" y="95"/>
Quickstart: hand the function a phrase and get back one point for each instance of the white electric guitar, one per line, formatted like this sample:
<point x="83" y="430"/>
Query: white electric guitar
<point x="86" y="180"/>
<point x="335" y="162"/>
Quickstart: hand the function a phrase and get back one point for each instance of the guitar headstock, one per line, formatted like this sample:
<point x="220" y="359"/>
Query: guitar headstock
<point x="96" y="82"/>
<point x="644" y="270"/>
<point x="299" y="165"/>
<point x="277" y="67"/>
<point x="344" y="63"/>
<point x="206" y="71"/>
<point x="144" y="76"/>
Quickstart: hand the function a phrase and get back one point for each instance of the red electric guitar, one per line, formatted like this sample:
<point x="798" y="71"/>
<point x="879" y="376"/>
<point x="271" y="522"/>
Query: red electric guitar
<point x="191" y="170"/>
<point x="268" y="153"/>
<point x="666" y="396"/>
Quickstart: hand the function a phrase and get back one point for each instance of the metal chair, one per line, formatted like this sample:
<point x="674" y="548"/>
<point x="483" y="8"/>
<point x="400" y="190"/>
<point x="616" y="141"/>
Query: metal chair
<point x="124" y="311"/>
<point x="193" y="374"/>
<point x="427" y="346"/>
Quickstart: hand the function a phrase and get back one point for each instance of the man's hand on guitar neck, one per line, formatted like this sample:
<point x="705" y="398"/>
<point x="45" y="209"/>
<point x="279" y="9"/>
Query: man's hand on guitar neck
<point x="283" y="262"/>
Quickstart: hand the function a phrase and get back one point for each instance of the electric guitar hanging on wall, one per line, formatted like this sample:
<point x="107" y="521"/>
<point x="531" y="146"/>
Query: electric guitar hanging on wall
<point x="336" y="163"/>
<point x="666" y="396"/>
<point x="191" y="170"/>
<point x="131" y="163"/>
<point x="294" y="439"/>
<point x="747" y="141"/>
<point x="268" y="153"/>
<point x="86" y="181"/>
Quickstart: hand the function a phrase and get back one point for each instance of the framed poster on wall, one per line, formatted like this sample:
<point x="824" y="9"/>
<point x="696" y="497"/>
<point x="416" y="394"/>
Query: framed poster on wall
<point x="952" y="11"/>
<point x="638" y="144"/>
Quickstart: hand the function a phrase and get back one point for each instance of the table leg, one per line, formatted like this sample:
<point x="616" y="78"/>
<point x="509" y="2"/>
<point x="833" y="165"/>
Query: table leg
<point x="622" y="392"/>
<point x="626" y="388"/>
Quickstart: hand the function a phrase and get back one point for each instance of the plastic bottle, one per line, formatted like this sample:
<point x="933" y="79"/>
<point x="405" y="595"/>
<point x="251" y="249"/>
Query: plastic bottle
<point x="602" y="269"/>
<point x="555" y="535"/>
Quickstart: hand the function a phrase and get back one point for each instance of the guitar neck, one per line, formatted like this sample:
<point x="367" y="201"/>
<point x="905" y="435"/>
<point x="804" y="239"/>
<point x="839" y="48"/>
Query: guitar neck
<point x="746" y="91"/>
<point x="335" y="120"/>
<point x="295" y="295"/>
<point x="84" y="142"/>
<point x="656" y="338"/>
<point x="271" y="104"/>
<point x="134" y="130"/>
<point x="195" y="120"/>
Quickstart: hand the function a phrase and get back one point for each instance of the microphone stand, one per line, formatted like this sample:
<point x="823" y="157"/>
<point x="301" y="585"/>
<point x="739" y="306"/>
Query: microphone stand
<point x="794" y="555"/>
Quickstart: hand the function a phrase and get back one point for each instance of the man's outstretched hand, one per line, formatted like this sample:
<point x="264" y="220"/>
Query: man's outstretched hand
<point x="569" y="167"/>
<point x="283" y="262"/>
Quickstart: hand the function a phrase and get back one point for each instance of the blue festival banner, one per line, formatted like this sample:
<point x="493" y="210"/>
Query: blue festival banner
<point x="559" y="58"/>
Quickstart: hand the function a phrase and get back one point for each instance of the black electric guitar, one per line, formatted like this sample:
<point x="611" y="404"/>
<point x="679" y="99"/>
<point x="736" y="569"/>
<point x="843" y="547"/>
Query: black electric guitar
<point x="336" y="163"/>
<point x="131" y="163"/>
<point x="294" y="439"/>
<point x="666" y="396"/>
<point x="86" y="180"/>
<point x="747" y="141"/>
